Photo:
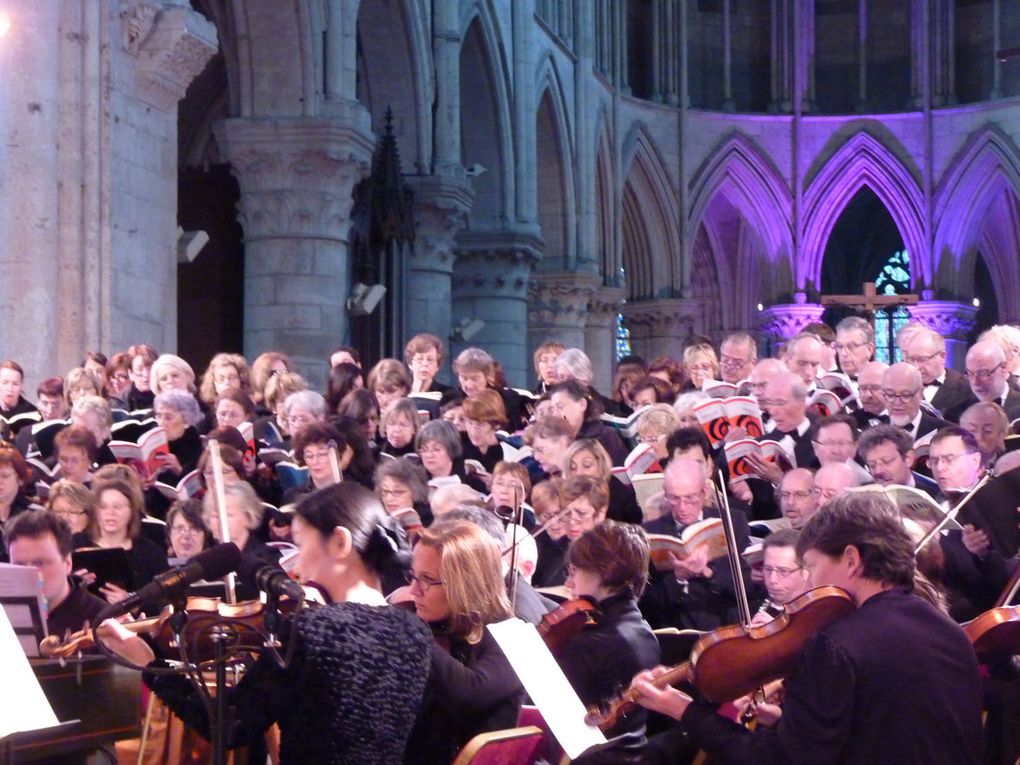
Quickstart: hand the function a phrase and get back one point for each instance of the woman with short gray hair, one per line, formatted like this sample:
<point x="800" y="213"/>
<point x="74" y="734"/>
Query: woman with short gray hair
<point x="439" y="447"/>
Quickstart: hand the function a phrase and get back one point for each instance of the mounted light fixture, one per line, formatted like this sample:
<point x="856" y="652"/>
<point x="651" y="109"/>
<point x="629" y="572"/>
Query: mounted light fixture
<point x="467" y="329"/>
<point x="364" y="298"/>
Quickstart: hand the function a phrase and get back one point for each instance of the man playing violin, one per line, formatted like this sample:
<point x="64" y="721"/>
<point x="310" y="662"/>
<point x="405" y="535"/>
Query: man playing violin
<point x="43" y="539"/>
<point x="609" y="566"/>
<point x="895" y="681"/>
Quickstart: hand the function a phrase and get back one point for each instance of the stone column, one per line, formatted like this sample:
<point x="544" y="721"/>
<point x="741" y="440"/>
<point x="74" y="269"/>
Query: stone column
<point x="558" y="306"/>
<point x="778" y="323"/>
<point x="727" y="62"/>
<point x="954" y="321"/>
<point x="658" y="327"/>
<point x="296" y="177"/>
<point x="997" y="91"/>
<point x="490" y="283"/>
<point x="441" y="207"/>
<point x="862" y="55"/>
<point x="446" y="57"/>
<point x="600" y="334"/>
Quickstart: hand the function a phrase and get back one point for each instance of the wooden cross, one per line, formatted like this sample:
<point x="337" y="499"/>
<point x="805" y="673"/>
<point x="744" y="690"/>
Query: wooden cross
<point x="870" y="300"/>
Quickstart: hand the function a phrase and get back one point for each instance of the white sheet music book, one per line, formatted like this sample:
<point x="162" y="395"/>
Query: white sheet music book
<point x="548" y="687"/>
<point x="23" y="705"/>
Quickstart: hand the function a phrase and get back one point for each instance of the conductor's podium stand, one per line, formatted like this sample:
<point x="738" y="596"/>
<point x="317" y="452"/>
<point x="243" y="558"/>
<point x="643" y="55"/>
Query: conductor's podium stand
<point x="97" y="701"/>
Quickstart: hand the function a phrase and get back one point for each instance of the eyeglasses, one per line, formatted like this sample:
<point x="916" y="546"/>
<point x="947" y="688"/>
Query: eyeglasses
<point x="894" y="395"/>
<point x="983" y="374"/>
<point x="915" y="360"/>
<point x="732" y="361"/>
<point x="651" y="439"/>
<point x="825" y="494"/>
<point x="779" y="571"/>
<point x="185" y="531"/>
<point x="934" y="460"/>
<point x="424" y="583"/>
<point x="884" y="463"/>
<point x="498" y="484"/>
<point x="843" y="347"/>
<point x="869" y="388"/>
<point x="73" y="512"/>
<point x="394" y="492"/>
<point x="431" y="449"/>
<point x="688" y="499"/>
<point x="789" y="496"/>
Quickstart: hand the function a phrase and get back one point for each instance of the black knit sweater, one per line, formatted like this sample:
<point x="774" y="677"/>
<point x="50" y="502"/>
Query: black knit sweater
<point x="349" y="697"/>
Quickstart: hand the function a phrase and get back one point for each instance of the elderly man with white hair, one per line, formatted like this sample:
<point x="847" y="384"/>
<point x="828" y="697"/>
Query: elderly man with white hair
<point x="902" y="390"/>
<point x="988" y="374"/>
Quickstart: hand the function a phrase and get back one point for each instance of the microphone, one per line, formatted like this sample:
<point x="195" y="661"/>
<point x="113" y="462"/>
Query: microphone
<point x="214" y="563"/>
<point x="269" y="578"/>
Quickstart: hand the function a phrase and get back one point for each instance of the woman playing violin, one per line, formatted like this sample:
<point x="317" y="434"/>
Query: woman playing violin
<point x="609" y="566"/>
<point x="895" y="681"/>
<point x="351" y="693"/>
<point x="457" y="587"/>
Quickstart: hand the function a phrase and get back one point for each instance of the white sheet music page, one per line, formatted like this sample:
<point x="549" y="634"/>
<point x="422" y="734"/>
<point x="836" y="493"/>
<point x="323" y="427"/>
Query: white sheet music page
<point x="23" y="705"/>
<point x="548" y="687"/>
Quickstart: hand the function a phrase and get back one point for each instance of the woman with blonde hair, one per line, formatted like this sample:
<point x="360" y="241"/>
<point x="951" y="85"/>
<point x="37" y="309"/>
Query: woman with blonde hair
<point x="265" y="367"/>
<point x="170" y="372"/>
<point x="74" y="502"/>
<point x="457" y="587"/>
<point x="700" y="364"/>
<point x="226" y="372"/>
<point x="587" y="457"/>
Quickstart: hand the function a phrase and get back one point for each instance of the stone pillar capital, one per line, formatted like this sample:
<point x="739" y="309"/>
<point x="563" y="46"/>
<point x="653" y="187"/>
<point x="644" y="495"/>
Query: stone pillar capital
<point x="604" y="306"/>
<point x="441" y="207"/>
<point x="954" y="321"/>
<point x="296" y="174"/>
<point x="661" y="318"/>
<point x="561" y="297"/>
<point x="172" y="44"/>
<point x="495" y="263"/>
<point x="782" y="321"/>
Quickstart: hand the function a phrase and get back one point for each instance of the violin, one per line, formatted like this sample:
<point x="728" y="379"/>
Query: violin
<point x="996" y="632"/>
<point x="734" y="661"/>
<point x="561" y="624"/>
<point x="243" y="624"/>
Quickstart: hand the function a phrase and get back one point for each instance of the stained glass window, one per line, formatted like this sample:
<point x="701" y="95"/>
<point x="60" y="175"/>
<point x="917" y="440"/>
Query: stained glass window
<point x="893" y="279"/>
<point x="622" y="338"/>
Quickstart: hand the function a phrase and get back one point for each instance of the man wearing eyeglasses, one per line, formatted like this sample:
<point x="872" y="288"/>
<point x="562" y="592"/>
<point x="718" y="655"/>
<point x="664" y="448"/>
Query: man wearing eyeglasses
<point x="956" y="463"/>
<point x="888" y="453"/>
<point x="945" y="389"/>
<point x="902" y="389"/>
<point x="697" y="593"/>
<point x="855" y="344"/>
<point x="738" y="355"/>
<point x="988" y="377"/>
<point x="785" y="578"/>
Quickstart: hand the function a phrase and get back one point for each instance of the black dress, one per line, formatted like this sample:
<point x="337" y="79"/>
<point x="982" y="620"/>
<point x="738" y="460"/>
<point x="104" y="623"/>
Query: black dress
<point x="349" y="697"/>
<point x="145" y="557"/>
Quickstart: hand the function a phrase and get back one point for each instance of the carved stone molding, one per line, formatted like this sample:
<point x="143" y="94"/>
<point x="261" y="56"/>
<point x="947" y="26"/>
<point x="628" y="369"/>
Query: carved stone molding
<point x="604" y="305"/>
<point x="172" y="44"/>
<point x="296" y="175"/>
<point x="784" y="320"/>
<point x="561" y="298"/>
<point x="495" y="264"/>
<point x="441" y="207"/>
<point x="662" y="318"/>
<point x="952" y="320"/>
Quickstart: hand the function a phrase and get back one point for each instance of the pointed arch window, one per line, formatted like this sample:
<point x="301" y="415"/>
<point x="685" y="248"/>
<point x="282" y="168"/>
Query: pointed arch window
<point x="892" y="279"/>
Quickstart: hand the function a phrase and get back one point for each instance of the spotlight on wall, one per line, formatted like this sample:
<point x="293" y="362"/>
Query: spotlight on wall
<point x="760" y="307"/>
<point x="5" y="24"/>
<point x="976" y="302"/>
<point x="467" y="329"/>
<point x="189" y="244"/>
<point x="364" y="298"/>
<point x="475" y="170"/>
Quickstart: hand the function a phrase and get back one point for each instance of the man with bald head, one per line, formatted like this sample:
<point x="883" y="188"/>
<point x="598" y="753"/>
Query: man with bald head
<point x="805" y="356"/>
<point x="869" y="391"/>
<point x="697" y="593"/>
<point x="988" y="376"/>
<point x="945" y="389"/>
<point x="832" y="481"/>
<point x="902" y="389"/>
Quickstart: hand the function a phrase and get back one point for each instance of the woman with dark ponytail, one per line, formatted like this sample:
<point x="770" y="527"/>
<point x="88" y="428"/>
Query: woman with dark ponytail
<point x="354" y="686"/>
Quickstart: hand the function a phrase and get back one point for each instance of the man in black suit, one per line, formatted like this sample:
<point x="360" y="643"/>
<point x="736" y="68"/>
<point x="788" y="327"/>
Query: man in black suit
<point x="989" y="375"/>
<point x="902" y="389"/>
<point x="945" y="389"/>
<point x="697" y="593"/>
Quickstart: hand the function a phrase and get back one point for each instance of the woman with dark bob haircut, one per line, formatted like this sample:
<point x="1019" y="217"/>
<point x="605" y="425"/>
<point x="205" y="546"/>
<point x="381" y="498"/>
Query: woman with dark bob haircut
<point x="353" y="688"/>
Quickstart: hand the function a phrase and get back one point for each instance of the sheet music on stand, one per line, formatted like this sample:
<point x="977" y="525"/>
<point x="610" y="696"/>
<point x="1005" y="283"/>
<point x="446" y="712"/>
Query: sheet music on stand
<point x="21" y="597"/>
<point x="548" y="687"/>
<point x="23" y="705"/>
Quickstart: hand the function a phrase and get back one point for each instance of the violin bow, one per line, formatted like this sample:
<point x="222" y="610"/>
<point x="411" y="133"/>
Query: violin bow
<point x="951" y="514"/>
<point x="518" y="512"/>
<point x="221" y="502"/>
<point x="733" y="554"/>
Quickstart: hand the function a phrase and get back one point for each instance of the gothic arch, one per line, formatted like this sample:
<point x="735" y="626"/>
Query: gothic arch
<point x="862" y="161"/>
<point x="555" y="182"/>
<point x="281" y="38"/>
<point x="977" y="208"/>
<point x="651" y="225"/>
<point x="743" y="206"/>
<point x="395" y="71"/>
<point x="486" y="134"/>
